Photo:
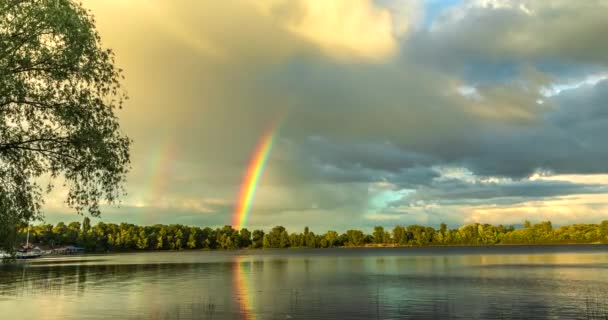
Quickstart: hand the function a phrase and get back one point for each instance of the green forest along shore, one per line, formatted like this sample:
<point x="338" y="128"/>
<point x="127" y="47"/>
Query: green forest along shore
<point x="105" y="237"/>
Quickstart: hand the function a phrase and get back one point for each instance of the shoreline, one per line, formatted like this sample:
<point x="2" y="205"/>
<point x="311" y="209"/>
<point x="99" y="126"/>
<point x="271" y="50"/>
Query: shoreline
<point x="341" y="247"/>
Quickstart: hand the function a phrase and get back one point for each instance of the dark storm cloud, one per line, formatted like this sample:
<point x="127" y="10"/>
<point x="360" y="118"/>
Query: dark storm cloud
<point x="380" y="156"/>
<point x="568" y="139"/>
<point x="462" y="192"/>
<point x="520" y="31"/>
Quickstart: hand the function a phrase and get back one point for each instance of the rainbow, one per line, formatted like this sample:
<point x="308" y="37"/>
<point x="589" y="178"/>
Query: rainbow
<point x="159" y="168"/>
<point x="252" y="177"/>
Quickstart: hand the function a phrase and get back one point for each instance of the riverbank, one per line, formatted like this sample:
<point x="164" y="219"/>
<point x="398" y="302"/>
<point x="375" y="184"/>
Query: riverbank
<point x="367" y="246"/>
<point x="124" y="237"/>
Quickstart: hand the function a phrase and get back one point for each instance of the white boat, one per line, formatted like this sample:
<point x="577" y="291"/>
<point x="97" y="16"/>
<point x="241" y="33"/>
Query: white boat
<point x="26" y="252"/>
<point x="28" y="255"/>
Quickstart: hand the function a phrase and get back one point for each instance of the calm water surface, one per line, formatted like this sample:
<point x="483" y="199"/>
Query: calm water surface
<point x="554" y="282"/>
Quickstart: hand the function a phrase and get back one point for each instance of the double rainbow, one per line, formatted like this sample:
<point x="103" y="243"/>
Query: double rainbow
<point x="252" y="176"/>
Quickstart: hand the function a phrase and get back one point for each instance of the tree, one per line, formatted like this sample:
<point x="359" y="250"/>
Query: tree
<point x="178" y="240"/>
<point x="60" y="232"/>
<point x="160" y="240"/>
<point x="311" y="241"/>
<point x="355" y="238"/>
<point x="266" y="241"/>
<point x="59" y="90"/>
<point x="443" y="228"/>
<point x="257" y="239"/>
<point x="8" y="234"/>
<point x="245" y="237"/>
<point x="73" y="232"/>
<point x="86" y="225"/>
<point x="387" y="237"/>
<point x="276" y="238"/>
<point x="193" y="238"/>
<point x="142" y="240"/>
<point x="228" y="238"/>
<point x="378" y="234"/>
<point x="399" y="235"/>
<point x="112" y="237"/>
<point x="284" y="239"/>
<point x="331" y="237"/>
<point x="296" y="240"/>
<point x="603" y="231"/>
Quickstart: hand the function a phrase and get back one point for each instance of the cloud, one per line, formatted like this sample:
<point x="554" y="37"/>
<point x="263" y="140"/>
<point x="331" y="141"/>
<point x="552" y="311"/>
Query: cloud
<point x="580" y="208"/>
<point x="521" y="30"/>
<point x="451" y="116"/>
<point x="456" y="191"/>
<point x="343" y="29"/>
<point x="566" y="140"/>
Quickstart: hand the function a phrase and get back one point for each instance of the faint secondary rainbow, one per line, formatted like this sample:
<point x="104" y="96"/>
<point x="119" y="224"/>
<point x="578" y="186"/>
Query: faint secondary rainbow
<point x="159" y="167"/>
<point x="252" y="177"/>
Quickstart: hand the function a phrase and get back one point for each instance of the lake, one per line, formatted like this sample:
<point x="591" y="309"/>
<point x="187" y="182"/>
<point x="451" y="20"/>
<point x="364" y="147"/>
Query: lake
<point x="503" y="282"/>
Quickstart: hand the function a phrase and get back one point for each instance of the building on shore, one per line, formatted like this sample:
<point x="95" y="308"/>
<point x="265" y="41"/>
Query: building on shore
<point x="67" y="250"/>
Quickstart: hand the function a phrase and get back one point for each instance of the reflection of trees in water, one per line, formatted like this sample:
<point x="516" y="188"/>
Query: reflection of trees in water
<point x="194" y="311"/>
<point x="385" y="296"/>
<point x="596" y="307"/>
<point x="506" y="298"/>
<point x="353" y="288"/>
<point x="75" y="279"/>
<point x="591" y="308"/>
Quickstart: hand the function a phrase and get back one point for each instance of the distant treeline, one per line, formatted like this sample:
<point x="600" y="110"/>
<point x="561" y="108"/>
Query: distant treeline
<point x="126" y="237"/>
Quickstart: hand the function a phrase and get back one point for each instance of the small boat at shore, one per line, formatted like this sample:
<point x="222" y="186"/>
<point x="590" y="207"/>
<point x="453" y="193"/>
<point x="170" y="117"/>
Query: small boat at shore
<point x="21" y="255"/>
<point x="27" y="251"/>
<point x="28" y="255"/>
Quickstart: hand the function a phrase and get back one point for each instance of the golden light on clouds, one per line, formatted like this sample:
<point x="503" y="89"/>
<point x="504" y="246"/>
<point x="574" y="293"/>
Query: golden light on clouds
<point x="574" y="178"/>
<point x="162" y="18"/>
<point x="566" y="209"/>
<point x="160" y="15"/>
<point x="343" y="29"/>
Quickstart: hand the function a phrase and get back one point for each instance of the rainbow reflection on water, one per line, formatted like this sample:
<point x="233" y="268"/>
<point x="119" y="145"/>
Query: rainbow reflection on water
<point x="242" y="287"/>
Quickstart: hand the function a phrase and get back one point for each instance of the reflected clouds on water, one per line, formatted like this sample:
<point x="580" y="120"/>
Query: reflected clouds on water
<point x="459" y="283"/>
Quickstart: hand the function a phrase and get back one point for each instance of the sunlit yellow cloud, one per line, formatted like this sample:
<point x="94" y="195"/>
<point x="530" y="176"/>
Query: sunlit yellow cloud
<point x="343" y="29"/>
<point x="574" y="178"/>
<point x="159" y="13"/>
<point x="567" y="209"/>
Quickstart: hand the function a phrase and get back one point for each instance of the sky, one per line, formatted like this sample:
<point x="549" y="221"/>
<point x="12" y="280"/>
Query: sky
<point x="390" y="111"/>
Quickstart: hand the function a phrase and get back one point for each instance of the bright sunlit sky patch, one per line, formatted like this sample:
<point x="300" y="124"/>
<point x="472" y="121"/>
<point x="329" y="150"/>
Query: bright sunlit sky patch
<point x="396" y="111"/>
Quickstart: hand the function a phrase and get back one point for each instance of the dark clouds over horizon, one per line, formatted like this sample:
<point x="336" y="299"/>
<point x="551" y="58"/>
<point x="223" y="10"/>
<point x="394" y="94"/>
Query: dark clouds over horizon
<point x="396" y="112"/>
